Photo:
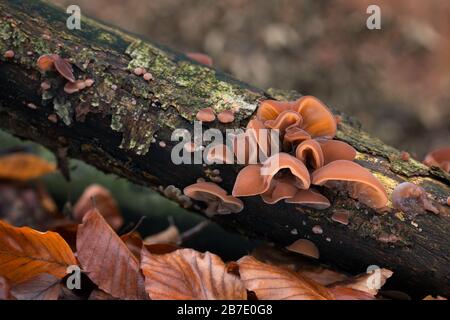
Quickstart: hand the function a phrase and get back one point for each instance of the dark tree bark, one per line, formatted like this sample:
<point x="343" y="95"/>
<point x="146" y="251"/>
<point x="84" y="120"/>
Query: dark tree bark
<point x="117" y="125"/>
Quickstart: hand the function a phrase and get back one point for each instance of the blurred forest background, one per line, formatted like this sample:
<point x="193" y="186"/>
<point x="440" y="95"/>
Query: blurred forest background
<point x="395" y="81"/>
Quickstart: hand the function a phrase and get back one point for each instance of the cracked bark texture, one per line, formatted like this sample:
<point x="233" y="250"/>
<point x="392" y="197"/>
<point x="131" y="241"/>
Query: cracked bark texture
<point x="117" y="124"/>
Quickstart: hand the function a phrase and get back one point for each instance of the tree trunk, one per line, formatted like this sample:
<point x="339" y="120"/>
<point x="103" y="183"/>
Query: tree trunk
<point x="117" y="125"/>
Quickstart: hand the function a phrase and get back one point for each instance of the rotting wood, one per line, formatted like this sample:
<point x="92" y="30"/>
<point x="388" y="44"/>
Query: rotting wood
<point x="117" y="123"/>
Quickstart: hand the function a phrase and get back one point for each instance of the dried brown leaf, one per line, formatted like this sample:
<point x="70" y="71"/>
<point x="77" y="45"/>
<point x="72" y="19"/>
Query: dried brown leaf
<point x="104" y="202"/>
<point x="366" y="282"/>
<point x="5" y="289"/>
<point x="44" y="286"/>
<point x="25" y="253"/>
<point x="343" y="293"/>
<point x="23" y="166"/>
<point x="274" y="283"/>
<point x="189" y="275"/>
<point x="107" y="260"/>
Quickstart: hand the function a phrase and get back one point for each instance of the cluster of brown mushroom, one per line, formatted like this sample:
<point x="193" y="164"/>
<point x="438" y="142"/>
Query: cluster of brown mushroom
<point x="308" y="156"/>
<point x="50" y="62"/>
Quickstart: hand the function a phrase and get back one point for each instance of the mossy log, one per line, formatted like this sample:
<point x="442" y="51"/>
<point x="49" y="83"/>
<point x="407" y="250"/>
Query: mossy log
<point x="117" y="125"/>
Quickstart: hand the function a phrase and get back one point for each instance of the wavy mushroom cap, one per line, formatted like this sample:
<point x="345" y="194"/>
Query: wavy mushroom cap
<point x="270" y="109"/>
<point x="409" y="197"/>
<point x="364" y="186"/>
<point x="215" y="197"/>
<point x="257" y="179"/>
<point x="336" y="150"/>
<point x="64" y="68"/>
<point x="46" y="62"/>
<point x="294" y="136"/>
<point x="206" y="115"/>
<point x="226" y="116"/>
<point x="304" y="247"/>
<point x="279" y="189"/>
<point x="285" y="120"/>
<point x="310" y="198"/>
<point x="318" y="120"/>
<point x="310" y="152"/>
<point x="245" y="148"/>
<point x="439" y="158"/>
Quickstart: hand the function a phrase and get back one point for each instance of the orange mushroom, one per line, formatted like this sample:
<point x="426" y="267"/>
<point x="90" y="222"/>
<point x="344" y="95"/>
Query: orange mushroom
<point x="310" y="152"/>
<point x="294" y="136"/>
<point x="310" y="198"/>
<point x="216" y="198"/>
<point x="439" y="158"/>
<point x="318" y="121"/>
<point x="304" y="247"/>
<point x="410" y="198"/>
<point x="46" y="62"/>
<point x="206" y="115"/>
<point x="270" y="109"/>
<point x="360" y="182"/>
<point x="64" y="68"/>
<point x="279" y="189"/>
<point x="284" y="120"/>
<point x="336" y="150"/>
<point x="257" y="179"/>
<point x="226" y="116"/>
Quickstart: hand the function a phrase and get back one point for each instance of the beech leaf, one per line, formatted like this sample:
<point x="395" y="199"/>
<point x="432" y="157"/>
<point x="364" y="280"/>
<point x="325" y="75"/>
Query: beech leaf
<point x="42" y="287"/>
<point x="23" y="166"/>
<point x="104" y="203"/>
<point x="107" y="260"/>
<point x="25" y="253"/>
<point x="274" y="283"/>
<point x="189" y="275"/>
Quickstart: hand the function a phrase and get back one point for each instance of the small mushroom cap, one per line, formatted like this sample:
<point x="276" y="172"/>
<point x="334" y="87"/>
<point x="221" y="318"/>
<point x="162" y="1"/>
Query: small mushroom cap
<point x="365" y="187"/>
<point x="206" y="115"/>
<point x="89" y="82"/>
<point x="310" y="198"/>
<point x="9" y="54"/>
<point x="336" y="150"/>
<point x="217" y="199"/>
<point x="46" y="62"/>
<point x="409" y="197"/>
<point x="310" y="152"/>
<point x="220" y="154"/>
<point x="270" y="109"/>
<point x="439" y="158"/>
<point x="284" y="120"/>
<point x="64" y="68"/>
<point x="318" y="120"/>
<point x="341" y="216"/>
<point x="305" y="247"/>
<point x="147" y="76"/>
<point x="250" y="182"/>
<point x="293" y="136"/>
<point x="226" y="116"/>
<point x="279" y="189"/>
<point x="200" y="58"/>
<point x="72" y="87"/>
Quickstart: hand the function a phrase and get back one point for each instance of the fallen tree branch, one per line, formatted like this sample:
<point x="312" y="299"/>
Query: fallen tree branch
<point x="118" y="125"/>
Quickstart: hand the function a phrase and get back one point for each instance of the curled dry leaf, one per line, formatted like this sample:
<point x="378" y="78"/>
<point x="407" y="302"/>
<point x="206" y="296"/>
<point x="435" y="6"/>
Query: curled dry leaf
<point x="189" y="275"/>
<point x="5" y="289"/>
<point x="134" y="242"/>
<point x="369" y="283"/>
<point x="26" y="253"/>
<point x="104" y="203"/>
<point x="274" y="283"/>
<point x="169" y="236"/>
<point x="23" y="166"/>
<point x="44" y="286"/>
<point x="107" y="260"/>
